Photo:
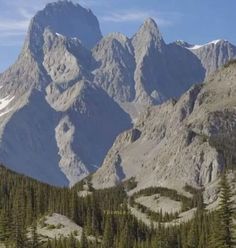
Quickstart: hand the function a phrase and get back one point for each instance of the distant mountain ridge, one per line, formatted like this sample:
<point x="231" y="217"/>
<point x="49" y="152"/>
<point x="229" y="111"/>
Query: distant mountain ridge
<point x="71" y="91"/>
<point x="213" y="54"/>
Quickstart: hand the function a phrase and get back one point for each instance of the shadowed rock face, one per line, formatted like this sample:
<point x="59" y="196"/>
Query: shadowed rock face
<point x="115" y="66"/>
<point x="28" y="143"/>
<point x="58" y="125"/>
<point x="185" y="142"/>
<point x="212" y="55"/>
<point x="144" y="69"/>
<point x="72" y="92"/>
<point x="67" y="19"/>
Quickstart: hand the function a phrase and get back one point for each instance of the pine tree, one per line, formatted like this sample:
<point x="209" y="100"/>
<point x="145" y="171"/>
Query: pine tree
<point x="49" y="244"/>
<point x="125" y="238"/>
<point x="21" y="240"/>
<point x="226" y="212"/>
<point x="5" y="230"/>
<point x="72" y="242"/>
<point x="108" y="235"/>
<point x="34" y="237"/>
<point x="83" y="240"/>
<point x="223" y="234"/>
<point x="196" y="235"/>
<point x="74" y="206"/>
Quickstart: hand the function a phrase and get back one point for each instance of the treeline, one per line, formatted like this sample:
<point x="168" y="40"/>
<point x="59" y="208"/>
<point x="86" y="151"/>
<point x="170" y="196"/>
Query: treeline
<point x="104" y="216"/>
<point x="187" y="202"/>
<point x="23" y="201"/>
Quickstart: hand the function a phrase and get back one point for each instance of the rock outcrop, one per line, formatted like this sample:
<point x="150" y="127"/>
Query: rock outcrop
<point x="212" y="55"/>
<point x="56" y="124"/>
<point x="71" y="92"/>
<point x="185" y="142"/>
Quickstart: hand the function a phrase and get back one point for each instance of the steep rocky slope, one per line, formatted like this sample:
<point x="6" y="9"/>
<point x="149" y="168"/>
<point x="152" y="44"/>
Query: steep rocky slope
<point x="144" y="69"/>
<point x="213" y="54"/>
<point x="54" y="126"/>
<point x="185" y="142"/>
<point x="67" y="19"/>
<point x="71" y="91"/>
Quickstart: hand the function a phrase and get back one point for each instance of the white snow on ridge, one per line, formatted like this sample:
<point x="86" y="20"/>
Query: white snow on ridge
<point x="195" y="47"/>
<point x="60" y="35"/>
<point x="214" y="42"/>
<point x="5" y="101"/>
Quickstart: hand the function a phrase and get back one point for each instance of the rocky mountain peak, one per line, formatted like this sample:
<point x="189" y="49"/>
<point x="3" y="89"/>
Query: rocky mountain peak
<point x="57" y="45"/>
<point x="68" y="19"/>
<point x="183" y="43"/>
<point x="148" y="36"/>
<point x="214" y="54"/>
<point x="117" y="36"/>
<point x="87" y="97"/>
<point x="150" y="24"/>
<point x="185" y="142"/>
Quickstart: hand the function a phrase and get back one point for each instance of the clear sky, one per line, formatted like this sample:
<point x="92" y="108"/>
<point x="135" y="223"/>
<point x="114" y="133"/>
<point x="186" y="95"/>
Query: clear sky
<point x="195" y="21"/>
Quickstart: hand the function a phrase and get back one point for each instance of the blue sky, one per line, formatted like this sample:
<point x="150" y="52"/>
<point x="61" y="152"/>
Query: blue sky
<point x="195" y="21"/>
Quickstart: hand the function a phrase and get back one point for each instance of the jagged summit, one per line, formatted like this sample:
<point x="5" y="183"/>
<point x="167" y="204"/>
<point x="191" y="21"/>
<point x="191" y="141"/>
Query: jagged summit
<point x="68" y="19"/>
<point x="190" y="141"/>
<point x="212" y="43"/>
<point x="149" y="33"/>
<point x="77" y="100"/>
<point x="214" y="54"/>
<point x="183" y="43"/>
<point x="149" y="22"/>
<point x="117" y="36"/>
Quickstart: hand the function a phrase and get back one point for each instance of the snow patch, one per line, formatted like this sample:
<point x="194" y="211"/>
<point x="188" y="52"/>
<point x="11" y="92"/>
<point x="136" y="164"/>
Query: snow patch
<point x="196" y="47"/>
<point x="214" y="42"/>
<point x="60" y="35"/>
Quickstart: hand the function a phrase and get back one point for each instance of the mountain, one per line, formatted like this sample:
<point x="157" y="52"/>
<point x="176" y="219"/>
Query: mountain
<point x="144" y="69"/>
<point x="47" y="216"/>
<point x="67" y="19"/>
<point x="71" y="91"/>
<point x="213" y="54"/>
<point x="54" y="126"/>
<point x="190" y="141"/>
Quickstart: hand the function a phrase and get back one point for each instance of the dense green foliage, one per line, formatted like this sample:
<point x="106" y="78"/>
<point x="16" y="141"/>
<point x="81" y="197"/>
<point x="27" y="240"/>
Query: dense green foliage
<point x="105" y="216"/>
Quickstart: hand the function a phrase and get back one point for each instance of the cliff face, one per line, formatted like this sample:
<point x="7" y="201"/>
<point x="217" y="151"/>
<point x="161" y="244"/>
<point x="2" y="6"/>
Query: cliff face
<point x="185" y="142"/>
<point x="56" y="124"/>
<point x="214" y="54"/>
<point x="71" y="92"/>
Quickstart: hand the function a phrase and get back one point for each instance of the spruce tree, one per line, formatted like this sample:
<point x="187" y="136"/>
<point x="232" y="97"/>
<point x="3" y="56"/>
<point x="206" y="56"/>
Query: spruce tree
<point x="223" y="237"/>
<point x="34" y="237"/>
<point x="226" y="212"/>
<point x="72" y="242"/>
<point x="5" y="230"/>
<point x="108" y="235"/>
<point x="83" y="240"/>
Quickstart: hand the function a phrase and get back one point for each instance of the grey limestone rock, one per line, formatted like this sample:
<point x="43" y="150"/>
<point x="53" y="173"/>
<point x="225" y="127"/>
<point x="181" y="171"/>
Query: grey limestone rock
<point x="185" y="142"/>
<point x="71" y="93"/>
